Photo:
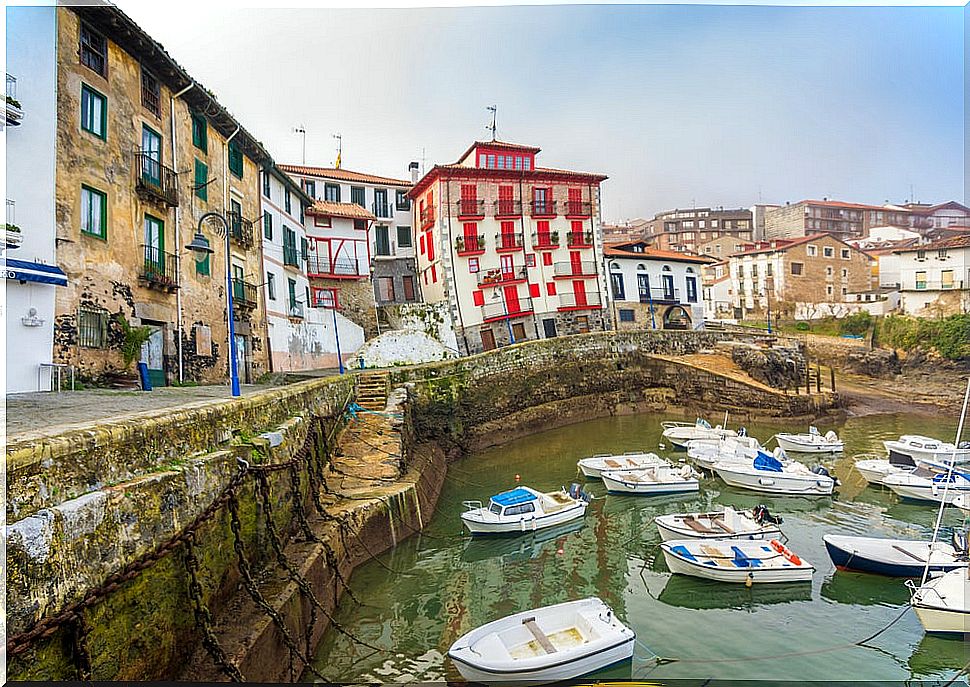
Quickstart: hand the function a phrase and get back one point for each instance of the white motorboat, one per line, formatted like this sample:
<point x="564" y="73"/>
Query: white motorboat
<point x="705" y="453"/>
<point x="594" y="466"/>
<point x="813" y="442"/>
<point x="660" y="479"/>
<point x="942" y="604"/>
<point x="915" y="448"/>
<point x="679" y="433"/>
<point x="524" y="510"/>
<point x="730" y="560"/>
<point x="754" y="523"/>
<point x="767" y="474"/>
<point x="962" y="502"/>
<point x="894" y="557"/>
<point x="874" y="469"/>
<point x="928" y="482"/>
<point x="548" y="644"/>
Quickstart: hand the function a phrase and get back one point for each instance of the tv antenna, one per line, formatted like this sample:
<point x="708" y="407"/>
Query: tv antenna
<point x="340" y="149"/>
<point x="493" y="109"/>
<point x="302" y="130"/>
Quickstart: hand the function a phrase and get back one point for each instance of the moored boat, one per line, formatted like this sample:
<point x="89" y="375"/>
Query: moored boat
<point x="660" y="479"/>
<point x="893" y="557"/>
<point x="942" y="604"/>
<point x="812" y="442"/>
<point x="754" y="523"/>
<point x="729" y="560"/>
<point x="594" y="466"/>
<point x="524" y="510"/>
<point x="767" y="474"/>
<point x="548" y="644"/>
<point x="679" y="433"/>
<point x="916" y="448"/>
<point x="705" y="452"/>
<point x="874" y="469"/>
<point x="962" y="502"/>
<point x="929" y="483"/>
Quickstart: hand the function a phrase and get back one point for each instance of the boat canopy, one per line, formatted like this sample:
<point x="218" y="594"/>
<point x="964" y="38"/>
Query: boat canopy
<point x="763" y="461"/>
<point x="701" y="422"/>
<point x="514" y="497"/>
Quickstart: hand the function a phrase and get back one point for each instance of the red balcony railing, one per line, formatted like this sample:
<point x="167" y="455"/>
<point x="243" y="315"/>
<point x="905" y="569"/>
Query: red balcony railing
<point x="498" y="276"/>
<point x="543" y="208"/>
<point x="470" y="245"/>
<point x="545" y="240"/>
<point x="427" y="217"/>
<point x="579" y="239"/>
<point x="471" y="207"/>
<point x="506" y="207"/>
<point x="508" y="241"/>
<point x="341" y="267"/>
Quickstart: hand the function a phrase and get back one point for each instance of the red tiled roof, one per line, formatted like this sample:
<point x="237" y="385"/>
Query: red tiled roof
<point x="784" y="244"/>
<point x="331" y="209"/>
<point x="341" y="174"/>
<point x="539" y="173"/>
<point x="962" y="241"/>
<point x="841" y="204"/>
<point x="617" y="250"/>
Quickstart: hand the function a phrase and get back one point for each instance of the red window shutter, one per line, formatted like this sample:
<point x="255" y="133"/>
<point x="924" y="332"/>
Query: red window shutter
<point x="508" y="227"/>
<point x="421" y="242"/>
<point x="542" y="226"/>
<point x="469" y="192"/>
<point x="547" y="259"/>
<point x="430" y="246"/>
<point x="534" y="290"/>
<point x="505" y="192"/>
<point x="478" y="296"/>
<point x="551" y="288"/>
<point x="575" y="195"/>
<point x="434" y="274"/>
<point x="577" y="226"/>
<point x="471" y="230"/>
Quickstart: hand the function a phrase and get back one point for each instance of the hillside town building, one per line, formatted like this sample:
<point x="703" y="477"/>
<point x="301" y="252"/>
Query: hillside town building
<point x="513" y="248"/>
<point x="934" y="278"/>
<point x="684" y="230"/>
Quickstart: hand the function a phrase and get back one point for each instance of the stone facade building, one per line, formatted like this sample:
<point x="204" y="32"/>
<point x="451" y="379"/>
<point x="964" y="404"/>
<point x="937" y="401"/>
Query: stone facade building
<point x="514" y="249"/>
<point x="722" y="247"/>
<point x="846" y="220"/>
<point x="794" y="276"/>
<point x="143" y="152"/>
<point x="684" y="230"/>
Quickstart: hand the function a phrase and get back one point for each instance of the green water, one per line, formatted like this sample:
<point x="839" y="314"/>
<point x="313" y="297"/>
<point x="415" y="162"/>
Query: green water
<point x="437" y="585"/>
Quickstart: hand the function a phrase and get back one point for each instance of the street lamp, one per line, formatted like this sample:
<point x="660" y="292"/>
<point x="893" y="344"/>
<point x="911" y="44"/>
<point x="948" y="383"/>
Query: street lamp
<point x="505" y="311"/>
<point x="200" y="246"/>
<point x="768" y="307"/>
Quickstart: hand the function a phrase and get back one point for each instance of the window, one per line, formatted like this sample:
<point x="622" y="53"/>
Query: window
<point x="845" y="253"/>
<point x="551" y="288"/>
<point x="643" y="288"/>
<point x="94" y="112"/>
<point x="268" y="225"/>
<point x="616" y="279"/>
<point x="946" y="279"/>
<point x="472" y="265"/>
<point x="331" y="193"/>
<point x="404" y="239"/>
<point x="235" y="160"/>
<point x="521" y="508"/>
<point x="811" y="251"/>
<point x="796" y="268"/>
<point x="385" y="288"/>
<point x="828" y="270"/>
<point x="408" y="282"/>
<point x="402" y="201"/>
<point x="582" y="324"/>
<point x="287" y="205"/>
<point x="321" y="220"/>
<point x="828" y="290"/>
<point x="845" y="273"/>
<point x="291" y="292"/>
<point x="92" y="327"/>
<point x="94" y="50"/>
<point x="828" y="251"/>
<point x="627" y="315"/>
<point x="310" y="188"/>
<point x="381" y="208"/>
<point x="200" y="134"/>
<point x="151" y="93"/>
<point x="289" y="247"/>
<point x="94" y="213"/>
<point x="921" y="280"/>
<point x="271" y="285"/>
<point x="382" y="241"/>
<point x="325" y="298"/>
<point x="266" y="185"/>
<point x="201" y="180"/>
<point x="691" y="289"/>
<point x="304" y="249"/>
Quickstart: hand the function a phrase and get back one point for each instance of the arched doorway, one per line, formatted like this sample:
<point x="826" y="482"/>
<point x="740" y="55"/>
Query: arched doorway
<point x="676" y="317"/>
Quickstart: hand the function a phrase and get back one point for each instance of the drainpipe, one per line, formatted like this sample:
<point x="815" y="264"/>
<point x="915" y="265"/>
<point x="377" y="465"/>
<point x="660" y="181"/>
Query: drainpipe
<point x="178" y="235"/>
<point x="225" y="210"/>
<point x="451" y="265"/>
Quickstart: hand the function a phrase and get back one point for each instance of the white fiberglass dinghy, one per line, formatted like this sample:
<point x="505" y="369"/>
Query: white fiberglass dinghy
<point x="813" y="442"/>
<point x="942" y="604"/>
<point x="549" y="644"/>
<point x="929" y="482"/>
<point x="874" y="469"/>
<point x="731" y="560"/>
<point x="660" y="479"/>
<point x="706" y="453"/>
<point x="679" y="433"/>
<point x="524" y="510"/>
<point x="754" y="523"/>
<point x="918" y="448"/>
<point x="767" y="474"/>
<point x="594" y="466"/>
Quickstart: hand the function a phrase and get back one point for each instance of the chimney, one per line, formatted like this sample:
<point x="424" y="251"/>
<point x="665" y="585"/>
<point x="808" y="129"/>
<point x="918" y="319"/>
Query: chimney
<point x="413" y="168"/>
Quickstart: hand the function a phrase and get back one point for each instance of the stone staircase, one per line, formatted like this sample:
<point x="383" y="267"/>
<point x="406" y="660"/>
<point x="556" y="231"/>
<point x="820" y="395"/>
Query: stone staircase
<point x="372" y="390"/>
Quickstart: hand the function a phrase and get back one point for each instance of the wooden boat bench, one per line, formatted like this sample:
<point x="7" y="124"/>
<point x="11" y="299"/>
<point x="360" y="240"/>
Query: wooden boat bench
<point x="720" y="523"/>
<point x="540" y="636"/>
<point x="697" y="526"/>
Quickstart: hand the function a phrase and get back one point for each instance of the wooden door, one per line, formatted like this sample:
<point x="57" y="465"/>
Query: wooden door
<point x="152" y="354"/>
<point x="512" y="299"/>
<point x="518" y="331"/>
<point x="579" y="288"/>
<point x="488" y="340"/>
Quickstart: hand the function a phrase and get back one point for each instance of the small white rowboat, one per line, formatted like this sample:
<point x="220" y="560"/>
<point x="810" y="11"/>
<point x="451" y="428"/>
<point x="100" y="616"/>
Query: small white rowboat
<point x="661" y="479"/>
<point x="728" y="560"/>
<point x="594" y="466"/>
<point x="524" y="510"/>
<point x="813" y="442"/>
<point x="705" y="453"/>
<point x="754" y="523"/>
<point x="547" y="644"/>
<point x="679" y="433"/>
<point x="875" y="469"/>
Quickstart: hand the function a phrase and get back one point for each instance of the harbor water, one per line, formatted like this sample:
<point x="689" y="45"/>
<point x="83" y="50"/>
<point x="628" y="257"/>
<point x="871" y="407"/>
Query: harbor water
<point x="435" y="586"/>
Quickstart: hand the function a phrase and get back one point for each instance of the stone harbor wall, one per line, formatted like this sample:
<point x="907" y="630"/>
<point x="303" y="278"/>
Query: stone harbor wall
<point x="402" y="347"/>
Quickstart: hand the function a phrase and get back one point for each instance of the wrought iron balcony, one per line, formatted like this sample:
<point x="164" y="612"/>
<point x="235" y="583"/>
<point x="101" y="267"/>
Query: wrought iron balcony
<point x="508" y="241"/>
<point x="660" y="295"/>
<point x="579" y="239"/>
<point x="545" y="240"/>
<point x="470" y="245"/>
<point x="154" y="180"/>
<point x="240" y="229"/>
<point x="578" y="208"/>
<point x="158" y="269"/>
<point x="500" y="309"/>
<point x="543" y="208"/>
<point x="584" y="268"/>
<point x="578" y="301"/>
<point x="506" y="207"/>
<point x="244" y="294"/>
<point x="317" y="266"/>
<point x="14" y="110"/>
<point x="471" y="207"/>
<point x="381" y="209"/>
<point x="497" y="276"/>
<point x="427" y="217"/>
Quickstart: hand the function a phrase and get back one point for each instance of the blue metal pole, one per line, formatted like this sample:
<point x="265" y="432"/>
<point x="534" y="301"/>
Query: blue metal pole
<point x="768" y="308"/>
<point x="336" y="336"/>
<point x="653" y="322"/>
<point x="233" y="370"/>
<point x="508" y="320"/>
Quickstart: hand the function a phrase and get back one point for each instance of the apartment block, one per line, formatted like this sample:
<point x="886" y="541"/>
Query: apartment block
<point x="684" y="230"/>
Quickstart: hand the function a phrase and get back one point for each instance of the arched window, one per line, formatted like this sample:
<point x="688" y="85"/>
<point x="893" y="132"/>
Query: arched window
<point x="615" y="266"/>
<point x="666" y="268"/>
<point x="641" y="267"/>
<point x="690" y="270"/>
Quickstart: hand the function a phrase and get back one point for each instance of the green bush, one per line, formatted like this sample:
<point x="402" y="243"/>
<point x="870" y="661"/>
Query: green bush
<point x="802" y="326"/>
<point x="857" y="323"/>
<point x="950" y="337"/>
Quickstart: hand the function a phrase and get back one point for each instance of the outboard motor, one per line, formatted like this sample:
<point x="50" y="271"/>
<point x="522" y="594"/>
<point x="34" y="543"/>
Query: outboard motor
<point x="819" y="470"/>
<point x="831" y="436"/>
<point x="576" y="492"/>
<point x="762" y="516"/>
<point x="964" y="444"/>
<point x="959" y="541"/>
<point x="742" y="432"/>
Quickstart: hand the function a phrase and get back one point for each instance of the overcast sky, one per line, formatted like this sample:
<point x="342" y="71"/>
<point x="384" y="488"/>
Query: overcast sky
<point x="683" y="105"/>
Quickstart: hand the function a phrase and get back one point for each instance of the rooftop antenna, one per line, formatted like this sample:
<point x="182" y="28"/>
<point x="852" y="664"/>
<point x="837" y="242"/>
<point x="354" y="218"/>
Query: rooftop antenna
<point x="340" y="149"/>
<point x="493" y="109"/>
<point x="302" y="130"/>
<point x="423" y="158"/>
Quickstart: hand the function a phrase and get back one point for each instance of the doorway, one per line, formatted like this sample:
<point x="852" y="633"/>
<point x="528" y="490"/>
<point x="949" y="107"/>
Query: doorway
<point x="518" y="332"/>
<point x="549" y="328"/>
<point x="488" y="340"/>
<point x="242" y="355"/>
<point x="153" y="355"/>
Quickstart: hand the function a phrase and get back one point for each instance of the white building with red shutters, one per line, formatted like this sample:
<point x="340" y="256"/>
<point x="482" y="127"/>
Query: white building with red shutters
<point x="513" y="248"/>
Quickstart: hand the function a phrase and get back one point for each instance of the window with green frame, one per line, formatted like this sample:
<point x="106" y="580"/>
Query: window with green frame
<point x="200" y="132"/>
<point x="202" y="180"/>
<point x="203" y="265"/>
<point x="287" y="204"/>
<point x="94" y="213"/>
<point x="94" y="112"/>
<point x="267" y="225"/>
<point x="235" y="160"/>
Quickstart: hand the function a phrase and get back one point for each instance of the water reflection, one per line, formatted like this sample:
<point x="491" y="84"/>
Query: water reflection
<point x="691" y="592"/>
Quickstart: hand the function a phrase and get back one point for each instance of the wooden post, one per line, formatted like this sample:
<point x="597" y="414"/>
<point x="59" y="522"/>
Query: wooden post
<point x="808" y="377"/>
<point x="832" y="378"/>
<point x="818" y="378"/>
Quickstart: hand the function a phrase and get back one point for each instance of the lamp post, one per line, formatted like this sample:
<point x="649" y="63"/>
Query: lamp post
<point x="505" y="311"/>
<point x="200" y="246"/>
<point x="768" y="307"/>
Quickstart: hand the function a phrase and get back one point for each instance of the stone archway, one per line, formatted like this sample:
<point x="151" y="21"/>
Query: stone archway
<point x="677" y="317"/>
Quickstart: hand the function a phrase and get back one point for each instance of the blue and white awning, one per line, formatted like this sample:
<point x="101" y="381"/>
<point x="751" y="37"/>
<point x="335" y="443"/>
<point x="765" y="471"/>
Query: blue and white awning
<point x="21" y="270"/>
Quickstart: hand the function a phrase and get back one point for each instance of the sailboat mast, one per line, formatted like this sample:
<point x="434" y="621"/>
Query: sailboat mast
<point x="946" y="485"/>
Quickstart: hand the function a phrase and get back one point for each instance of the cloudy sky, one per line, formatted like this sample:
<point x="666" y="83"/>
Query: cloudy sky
<point x="679" y="105"/>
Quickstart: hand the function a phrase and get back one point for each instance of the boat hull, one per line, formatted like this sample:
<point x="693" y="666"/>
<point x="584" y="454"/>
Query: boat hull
<point x="593" y="468"/>
<point x="861" y="554"/>
<point x="668" y="533"/>
<point x="615" y="485"/>
<point x="789" y="443"/>
<point x="918" y="492"/>
<point x="525" y="523"/>
<point x="875" y="471"/>
<point x="776" y="482"/>
<point x="679" y="565"/>
<point x="943" y="621"/>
